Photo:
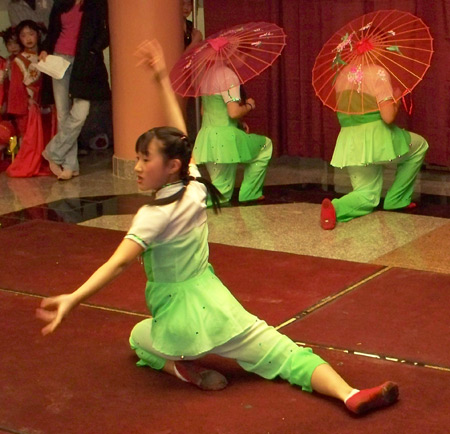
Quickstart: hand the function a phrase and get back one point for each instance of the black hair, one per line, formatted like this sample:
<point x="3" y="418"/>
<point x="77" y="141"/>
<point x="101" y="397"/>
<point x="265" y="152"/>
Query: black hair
<point x="64" y="6"/>
<point x="174" y="144"/>
<point x="9" y="34"/>
<point x="38" y="28"/>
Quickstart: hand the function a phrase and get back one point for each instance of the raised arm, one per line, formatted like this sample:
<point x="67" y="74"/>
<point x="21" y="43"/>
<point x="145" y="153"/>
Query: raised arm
<point x="152" y="56"/>
<point x="54" y="309"/>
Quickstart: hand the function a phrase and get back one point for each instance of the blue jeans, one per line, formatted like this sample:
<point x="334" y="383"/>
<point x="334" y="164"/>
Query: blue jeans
<point x="63" y="147"/>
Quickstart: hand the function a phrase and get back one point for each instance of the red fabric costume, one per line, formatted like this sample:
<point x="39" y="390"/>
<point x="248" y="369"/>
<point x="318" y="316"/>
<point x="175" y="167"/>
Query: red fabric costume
<point x="24" y="98"/>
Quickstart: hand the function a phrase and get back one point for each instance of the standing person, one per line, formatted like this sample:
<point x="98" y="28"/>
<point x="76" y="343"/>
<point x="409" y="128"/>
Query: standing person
<point x="368" y="141"/>
<point x="221" y="144"/>
<point x="193" y="313"/>
<point x="78" y="32"/>
<point x="191" y="35"/>
<point x="7" y="129"/>
<point x="24" y="103"/>
<point x="35" y="10"/>
<point x="13" y="47"/>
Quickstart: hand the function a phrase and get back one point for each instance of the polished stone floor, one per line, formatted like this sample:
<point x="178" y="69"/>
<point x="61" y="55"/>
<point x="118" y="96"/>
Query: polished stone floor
<point x="287" y="221"/>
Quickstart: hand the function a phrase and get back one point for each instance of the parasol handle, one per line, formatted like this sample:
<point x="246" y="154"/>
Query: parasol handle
<point x="405" y="105"/>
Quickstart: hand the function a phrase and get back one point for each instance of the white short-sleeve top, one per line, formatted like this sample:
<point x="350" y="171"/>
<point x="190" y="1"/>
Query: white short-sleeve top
<point x="162" y="223"/>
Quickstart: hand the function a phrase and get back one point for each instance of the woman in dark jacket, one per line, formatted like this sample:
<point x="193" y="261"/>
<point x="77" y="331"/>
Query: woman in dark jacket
<point x="78" y="32"/>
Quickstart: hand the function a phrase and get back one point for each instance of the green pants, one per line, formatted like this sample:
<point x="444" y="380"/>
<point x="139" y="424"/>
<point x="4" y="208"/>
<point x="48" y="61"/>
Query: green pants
<point x="223" y="176"/>
<point x="261" y="349"/>
<point x="367" y="183"/>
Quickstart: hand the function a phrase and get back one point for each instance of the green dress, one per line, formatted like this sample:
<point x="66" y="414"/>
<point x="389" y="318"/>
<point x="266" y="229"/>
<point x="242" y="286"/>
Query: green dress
<point x="192" y="310"/>
<point x="220" y="140"/>
<point x="366" y="139"/>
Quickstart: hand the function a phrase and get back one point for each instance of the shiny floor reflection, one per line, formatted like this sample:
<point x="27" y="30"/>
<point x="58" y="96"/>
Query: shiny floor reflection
<point x="288" y="220"/>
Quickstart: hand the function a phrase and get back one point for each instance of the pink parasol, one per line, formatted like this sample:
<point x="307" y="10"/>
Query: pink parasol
<point x="236" y="54"/>
<point x="380" y="55"/>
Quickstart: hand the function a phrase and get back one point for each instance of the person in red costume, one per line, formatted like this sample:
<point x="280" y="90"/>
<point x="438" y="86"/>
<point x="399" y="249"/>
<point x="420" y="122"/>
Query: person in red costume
<point x="24" y="103"/>
<point x="7" y="129"/>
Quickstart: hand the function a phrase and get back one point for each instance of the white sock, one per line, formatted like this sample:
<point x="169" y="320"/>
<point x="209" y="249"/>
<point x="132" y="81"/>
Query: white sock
<point x="353" y="392"/>
<point x="179" y="375"/>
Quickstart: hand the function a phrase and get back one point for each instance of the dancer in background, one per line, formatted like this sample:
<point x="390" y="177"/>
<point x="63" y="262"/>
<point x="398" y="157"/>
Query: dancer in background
<point x="368" y="141"/>
<point x="193" y="313"/>
<point x="222" y="144"/>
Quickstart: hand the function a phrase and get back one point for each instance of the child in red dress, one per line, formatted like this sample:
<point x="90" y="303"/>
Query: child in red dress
<point x="24" y="103"/>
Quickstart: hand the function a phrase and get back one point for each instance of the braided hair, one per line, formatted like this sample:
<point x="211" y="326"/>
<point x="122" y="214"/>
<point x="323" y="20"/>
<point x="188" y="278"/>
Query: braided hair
<point x="174" y="144"/>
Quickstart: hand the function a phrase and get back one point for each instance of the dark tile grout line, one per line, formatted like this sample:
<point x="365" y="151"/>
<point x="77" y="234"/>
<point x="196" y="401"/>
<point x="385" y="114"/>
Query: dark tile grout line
<point x="10" y="430"/>
<point x="90" y="305"/>
<point x="340" y="294"/>
<point x="375" y="356"/>
<point x="297" y="317"/>
<point x="333" y="297"/>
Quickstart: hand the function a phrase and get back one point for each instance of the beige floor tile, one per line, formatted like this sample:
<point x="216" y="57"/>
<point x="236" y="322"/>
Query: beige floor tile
<point x="430" y="252"/>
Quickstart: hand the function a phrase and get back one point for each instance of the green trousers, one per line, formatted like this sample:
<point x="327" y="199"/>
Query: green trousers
<point x="261" y="349"/>
<point x="223" y="176"/>
<point x="367" y="183"/>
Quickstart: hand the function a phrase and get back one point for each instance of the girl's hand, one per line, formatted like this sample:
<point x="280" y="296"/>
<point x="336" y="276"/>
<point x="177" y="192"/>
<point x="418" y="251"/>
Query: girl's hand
<point x="245" y="127"/>
<point x="151" y="55"/>
<point x="252" y="102"/>
<point x="53" y="310"/>
<point x="43" y="55"/>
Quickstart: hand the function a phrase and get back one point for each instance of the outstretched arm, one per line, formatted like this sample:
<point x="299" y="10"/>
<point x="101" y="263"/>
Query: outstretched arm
<point x="54" y="309"/>
<point x="152" y="56"/>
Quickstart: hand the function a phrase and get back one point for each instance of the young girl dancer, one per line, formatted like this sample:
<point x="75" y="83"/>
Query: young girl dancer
<point x="193" y="314"/>
<point x="24" y="99"/>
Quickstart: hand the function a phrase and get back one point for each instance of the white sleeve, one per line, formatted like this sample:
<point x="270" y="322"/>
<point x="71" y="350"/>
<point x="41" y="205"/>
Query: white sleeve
<point x="193" y="171"/>
<point x="233" y="94"/>
<point x="382" y="88"/>
<point x="148" y="223"/>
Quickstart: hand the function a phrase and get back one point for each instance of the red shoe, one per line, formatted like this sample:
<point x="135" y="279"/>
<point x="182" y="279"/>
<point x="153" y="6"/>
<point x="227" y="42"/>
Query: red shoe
<point x="204" y="378"/>
<point x="371" y="399"/>
<point x="327" y="215"/>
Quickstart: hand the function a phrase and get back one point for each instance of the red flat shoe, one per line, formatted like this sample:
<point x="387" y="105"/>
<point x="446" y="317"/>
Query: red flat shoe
<point x="371" y="399"/>
<point x="327" y="215"/>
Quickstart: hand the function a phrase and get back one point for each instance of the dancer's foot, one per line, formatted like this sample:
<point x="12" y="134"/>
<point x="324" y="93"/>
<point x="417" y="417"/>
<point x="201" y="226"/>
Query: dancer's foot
<point x="204" y="378"/>
<point x="412" y="205"/>
<point x="66" y="174"/>
<point x="54" y="167"/>
<point x="327" y="215"/>
<point x="371" y="399"/>
<point x="261" y="198"/>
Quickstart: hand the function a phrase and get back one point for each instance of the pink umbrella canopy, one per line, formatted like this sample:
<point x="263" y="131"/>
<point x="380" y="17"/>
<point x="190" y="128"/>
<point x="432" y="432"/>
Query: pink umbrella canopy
<point x="384" y="53"/>
<point x="227" y="58"/>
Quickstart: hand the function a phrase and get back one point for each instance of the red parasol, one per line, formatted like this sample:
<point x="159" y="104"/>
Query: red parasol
<point x="381" y="55"/>
<point x="246" y="49"/>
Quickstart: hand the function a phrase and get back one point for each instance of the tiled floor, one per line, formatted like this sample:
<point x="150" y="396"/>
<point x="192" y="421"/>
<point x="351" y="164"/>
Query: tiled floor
<point x="386" y="322"/>
<point x="288" y="221"/>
